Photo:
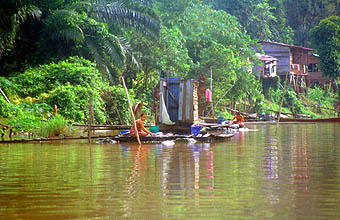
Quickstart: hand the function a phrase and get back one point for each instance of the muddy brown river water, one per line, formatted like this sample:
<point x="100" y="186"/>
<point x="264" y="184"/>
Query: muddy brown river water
<point x="254" y="175"/>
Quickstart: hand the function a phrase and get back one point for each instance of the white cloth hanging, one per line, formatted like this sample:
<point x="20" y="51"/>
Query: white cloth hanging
<point x="164" y="116"/>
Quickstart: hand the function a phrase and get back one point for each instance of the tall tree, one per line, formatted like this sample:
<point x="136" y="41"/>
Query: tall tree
<point x="280" y="29"/>
<point x="13" y="14"/>
<point x="217" y="43"/>
<point x="326" y="38"/>
<point x="263" y="19"/>
<point x="303" y="15"/>
<point x="298" y="13"/>
<point x="169" y="11"/>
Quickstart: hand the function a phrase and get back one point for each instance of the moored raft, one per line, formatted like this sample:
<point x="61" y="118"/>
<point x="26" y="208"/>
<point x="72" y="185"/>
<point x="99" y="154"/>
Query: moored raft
<point x="127" y="138"/>
<point x="160" y="138"/>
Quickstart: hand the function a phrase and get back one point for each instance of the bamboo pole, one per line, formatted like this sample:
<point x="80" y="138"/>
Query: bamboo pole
<point x="222" y="97"/>
<point x="93" y="96"/>
<point x="212" y="104"/>
<point x="90" y="118"/>
<point x="91" y="102"/>
<point x="278" y="117"/>
<point x="4" y="95"/>
<point x="153" y="98"/>
<point x="133" y="116"/>
<point x="120" y="118"/>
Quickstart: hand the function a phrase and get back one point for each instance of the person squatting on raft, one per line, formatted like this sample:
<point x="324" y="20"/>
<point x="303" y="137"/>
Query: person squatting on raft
<point x="238" y="119"/>
<point x="140" y="127"/>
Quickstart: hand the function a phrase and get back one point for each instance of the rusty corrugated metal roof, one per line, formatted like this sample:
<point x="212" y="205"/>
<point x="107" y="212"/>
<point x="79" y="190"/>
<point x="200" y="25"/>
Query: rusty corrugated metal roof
<point x="265" y="57"/>
<point x="287" y="45"/>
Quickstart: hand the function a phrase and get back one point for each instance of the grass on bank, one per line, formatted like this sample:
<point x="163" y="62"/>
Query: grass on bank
<point x="57" y="126"/>
<point x="30" y="126"/>
<point x="315" y="103"/>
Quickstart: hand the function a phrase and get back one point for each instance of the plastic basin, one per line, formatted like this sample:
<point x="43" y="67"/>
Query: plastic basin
<point x="154" y="128"/>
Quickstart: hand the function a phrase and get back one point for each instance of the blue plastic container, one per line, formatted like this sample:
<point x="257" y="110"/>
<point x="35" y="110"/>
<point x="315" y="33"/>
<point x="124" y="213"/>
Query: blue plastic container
<point x="154" y="128"/>
<point x="195" y="130"/>
<point x="124" y="132"/>
<point x="220" y="119"/>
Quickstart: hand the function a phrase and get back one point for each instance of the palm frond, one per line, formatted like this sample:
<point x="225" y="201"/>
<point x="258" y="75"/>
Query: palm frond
<point x="62" y="15"/>
<point x="10" y="23"/>
<point x="70" y="33"/>
<point x="82" y="5"/>
<point x="60" y="28"/>
<point x="131" y="59"/>
<point x="104" y="60"/>
<point x="26" y="12"/>
<point x="115" y="50"/>
<point x="142" y="20"/>
<point x="96" y="53"/>
<point x="136" y="2"/>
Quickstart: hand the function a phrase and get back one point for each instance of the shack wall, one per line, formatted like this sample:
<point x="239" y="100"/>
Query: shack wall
<point x="314" y="73"/>
<point x="283" y="55"/>
<point x="188" y="102"/>
<point x="181" y="99"/>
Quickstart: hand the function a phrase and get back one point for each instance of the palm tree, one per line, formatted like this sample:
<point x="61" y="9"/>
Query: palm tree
<point x="12" y="15"/>
<point x="73" y="27"/>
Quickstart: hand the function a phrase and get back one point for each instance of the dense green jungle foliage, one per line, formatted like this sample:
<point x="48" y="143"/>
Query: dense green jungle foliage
<point x="67" y="52"/>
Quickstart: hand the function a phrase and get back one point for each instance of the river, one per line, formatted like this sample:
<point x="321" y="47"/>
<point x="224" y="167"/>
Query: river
<point x="256" y="174"/>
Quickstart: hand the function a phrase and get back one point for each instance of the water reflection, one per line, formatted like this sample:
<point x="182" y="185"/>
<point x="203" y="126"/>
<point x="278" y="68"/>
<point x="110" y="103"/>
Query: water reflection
<point x="185" y="169"/>
<point x="271" y="160"/>
<point x="255" y="175"/>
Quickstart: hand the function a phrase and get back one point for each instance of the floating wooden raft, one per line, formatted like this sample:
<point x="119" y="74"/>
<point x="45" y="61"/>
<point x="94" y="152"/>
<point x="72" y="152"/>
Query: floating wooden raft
<point x="203" y="138"/>
<point x="126" y="138"/>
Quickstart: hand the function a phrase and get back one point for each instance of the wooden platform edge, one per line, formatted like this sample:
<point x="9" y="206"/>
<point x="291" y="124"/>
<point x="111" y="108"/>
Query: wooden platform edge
<point x="124" y="138"/>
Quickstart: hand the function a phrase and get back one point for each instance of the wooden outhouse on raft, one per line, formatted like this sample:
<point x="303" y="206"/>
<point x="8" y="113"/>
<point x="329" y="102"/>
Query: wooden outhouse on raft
<point x="180" y="100"/>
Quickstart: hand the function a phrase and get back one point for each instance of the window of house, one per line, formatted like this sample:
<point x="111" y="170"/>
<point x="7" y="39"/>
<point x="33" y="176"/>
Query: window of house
<point x="266" y="70"/>
<point x="273" y="69"/>
<point x="313" y="67"/>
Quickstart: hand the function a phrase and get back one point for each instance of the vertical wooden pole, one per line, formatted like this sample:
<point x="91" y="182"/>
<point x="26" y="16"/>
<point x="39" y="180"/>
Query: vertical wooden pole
<point x="120" y="118"/>
<point x="278" y="118"/>
<point x="10" y="133"/>
<point x="153" y="92"/>
<point x="245" y="104"/>
<point x="93" y="96"/>
<point x="133" y="116"/>
<point x="212" y="105"/>
<point x="90" y="118"/>
<point x="4" y="95"/>
<point x="91" y="101"/>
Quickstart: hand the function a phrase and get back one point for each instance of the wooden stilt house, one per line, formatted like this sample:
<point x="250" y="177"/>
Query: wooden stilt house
<point x="268" y="66"/>
<point x="291" y="59"/>
<point x="315" y="75"/>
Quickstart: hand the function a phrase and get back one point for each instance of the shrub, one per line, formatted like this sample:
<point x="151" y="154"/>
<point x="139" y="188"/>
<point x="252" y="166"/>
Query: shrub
<point x="73" y="103"/>
<point x="5" y="108"/>
<point x="66" y="84"/>
<point x="56" y="126"/>
<point x="7" y="86"/>
<point x="28" y="112"/>
<point x="116" y="104"/>
<point x="73" y="71"/>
